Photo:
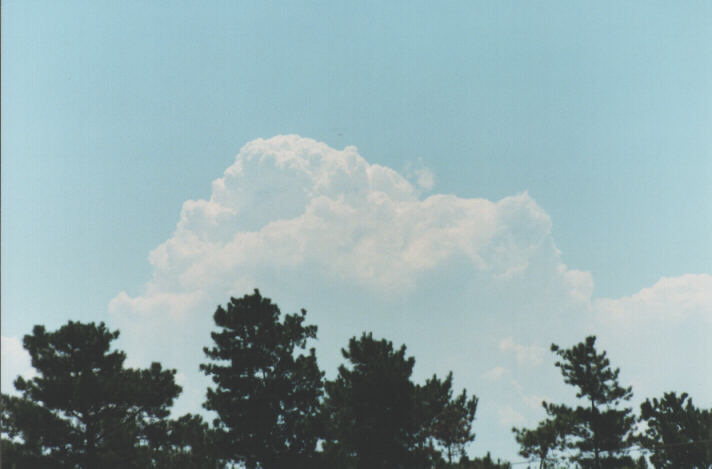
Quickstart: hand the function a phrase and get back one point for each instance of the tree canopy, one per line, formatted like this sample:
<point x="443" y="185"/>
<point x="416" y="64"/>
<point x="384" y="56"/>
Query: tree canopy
<point x="677" y="434"/>
<point x="266" y="394"/>
<point x="600" y="431"/>
<point x="542" y="441"/>
<point x="379" y="418"/>
<point x="83" y="409"/>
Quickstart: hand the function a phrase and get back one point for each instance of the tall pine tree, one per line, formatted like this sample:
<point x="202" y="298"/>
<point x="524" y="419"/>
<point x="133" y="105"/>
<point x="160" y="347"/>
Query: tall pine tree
<point x="266" y="394"/>
<point x="378" y="418"/>
<point x="371" y="407"/>
<point x="599" y="431"/>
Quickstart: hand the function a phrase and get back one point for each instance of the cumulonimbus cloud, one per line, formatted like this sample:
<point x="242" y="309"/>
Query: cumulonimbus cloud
<point x="290" y="202"/>
<point x="297" y="218"/>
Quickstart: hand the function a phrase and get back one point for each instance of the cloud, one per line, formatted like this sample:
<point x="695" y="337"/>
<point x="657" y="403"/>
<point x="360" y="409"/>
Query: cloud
<point x="532" y="401"/>
<point x="671" y="299"/>
<point x="525" y="354"/>
<point x="173" y="303"/>
<point x="509" y="417"/>
<point x="290" y="203"/>
<point x="496" y="373"/>
<point x="15" y="362"/>
<point x="499" y="373"/>
<point x="423" y="177"/>
<point x="361" y="247"/>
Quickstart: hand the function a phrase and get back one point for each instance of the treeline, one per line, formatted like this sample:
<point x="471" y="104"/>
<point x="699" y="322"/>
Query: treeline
<point x="602" y="431"/>
<point x="84" y="409"/>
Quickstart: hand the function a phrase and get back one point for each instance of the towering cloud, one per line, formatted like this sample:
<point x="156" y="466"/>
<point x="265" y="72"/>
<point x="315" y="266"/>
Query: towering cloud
<point x="463" y="282"/>
<point x="291" y="203"/>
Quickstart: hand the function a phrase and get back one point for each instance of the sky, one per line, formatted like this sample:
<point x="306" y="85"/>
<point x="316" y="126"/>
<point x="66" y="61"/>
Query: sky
<point x="476" y="180"/>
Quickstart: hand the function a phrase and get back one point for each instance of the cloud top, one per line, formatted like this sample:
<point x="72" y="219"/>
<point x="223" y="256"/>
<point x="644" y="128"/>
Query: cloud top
<point x="289" y="203"/>
<point x="467" y="283"/>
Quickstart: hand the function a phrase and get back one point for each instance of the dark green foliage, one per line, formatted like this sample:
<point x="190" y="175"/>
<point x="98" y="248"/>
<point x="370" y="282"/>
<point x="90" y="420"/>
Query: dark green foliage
<point x="547" y="437"/>
<point x="453" y="426"/>
<point x="266" y="396"/>
<point x="599" y="431"/>
<point x="371" y="407"/>
<point x="378" y="418"/>
<point x="32" y="435"/>
<point x="187" y="443"/>
<point x="430" y="400"/>
<point x="678" y="434"/>
<point x="83" y="409"/>
<point x="485" y="462"/>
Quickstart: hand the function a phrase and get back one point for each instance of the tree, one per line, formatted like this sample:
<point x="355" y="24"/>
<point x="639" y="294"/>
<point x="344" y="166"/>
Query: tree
<point x="187" y="443"/>
<point x="429" y="401"/>
<point x="453" y="427"/>
<point x="485" y="462"/>
<point x="371" y="406"/>
<point x="31" y="435"/>
<point x="378" y="418"/>
<point x="266" y="396"/>
<point x="677" y="434"/>
<point x="83" y="409"/>
<point x="600" y="431"/>
<point x="541" y="441"/>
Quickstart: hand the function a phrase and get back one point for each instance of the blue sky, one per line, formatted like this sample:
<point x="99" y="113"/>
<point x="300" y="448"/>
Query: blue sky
<point x="582" y="128"/>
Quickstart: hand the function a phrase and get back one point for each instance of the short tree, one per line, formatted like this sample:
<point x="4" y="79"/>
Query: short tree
<point x="83" y="409"/>
<point x="266" y="395"/>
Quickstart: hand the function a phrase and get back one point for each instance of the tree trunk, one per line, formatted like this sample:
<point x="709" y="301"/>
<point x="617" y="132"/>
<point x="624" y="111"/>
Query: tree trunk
<point x="90" y="438"/>
<point x="596" y="462"/>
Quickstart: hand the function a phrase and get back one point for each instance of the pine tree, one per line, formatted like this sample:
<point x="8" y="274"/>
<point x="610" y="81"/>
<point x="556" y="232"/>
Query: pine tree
<point x="83" y="409"/>
<point x="378" y="418"/>
<point x="370" y="406"/>
<point x="266" y="396"/>
<point x="599" y="431"/>
<point x="186" y="443"/>
<point x="453" y="426"/>
<point x="540" y="442"/>
<point x="677" y="434"/>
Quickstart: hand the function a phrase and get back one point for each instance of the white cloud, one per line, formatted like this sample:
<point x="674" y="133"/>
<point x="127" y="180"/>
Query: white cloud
<point x="15" y="362"/>
<point x="423" y="177"/>
<point x="173" y="303"/>
<point x="669" y="299"/>
<point x="359" y="247"/>
<point x="524" y="354"/>
<point x="496" y="373"/>
<point x="293" y="203"/>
